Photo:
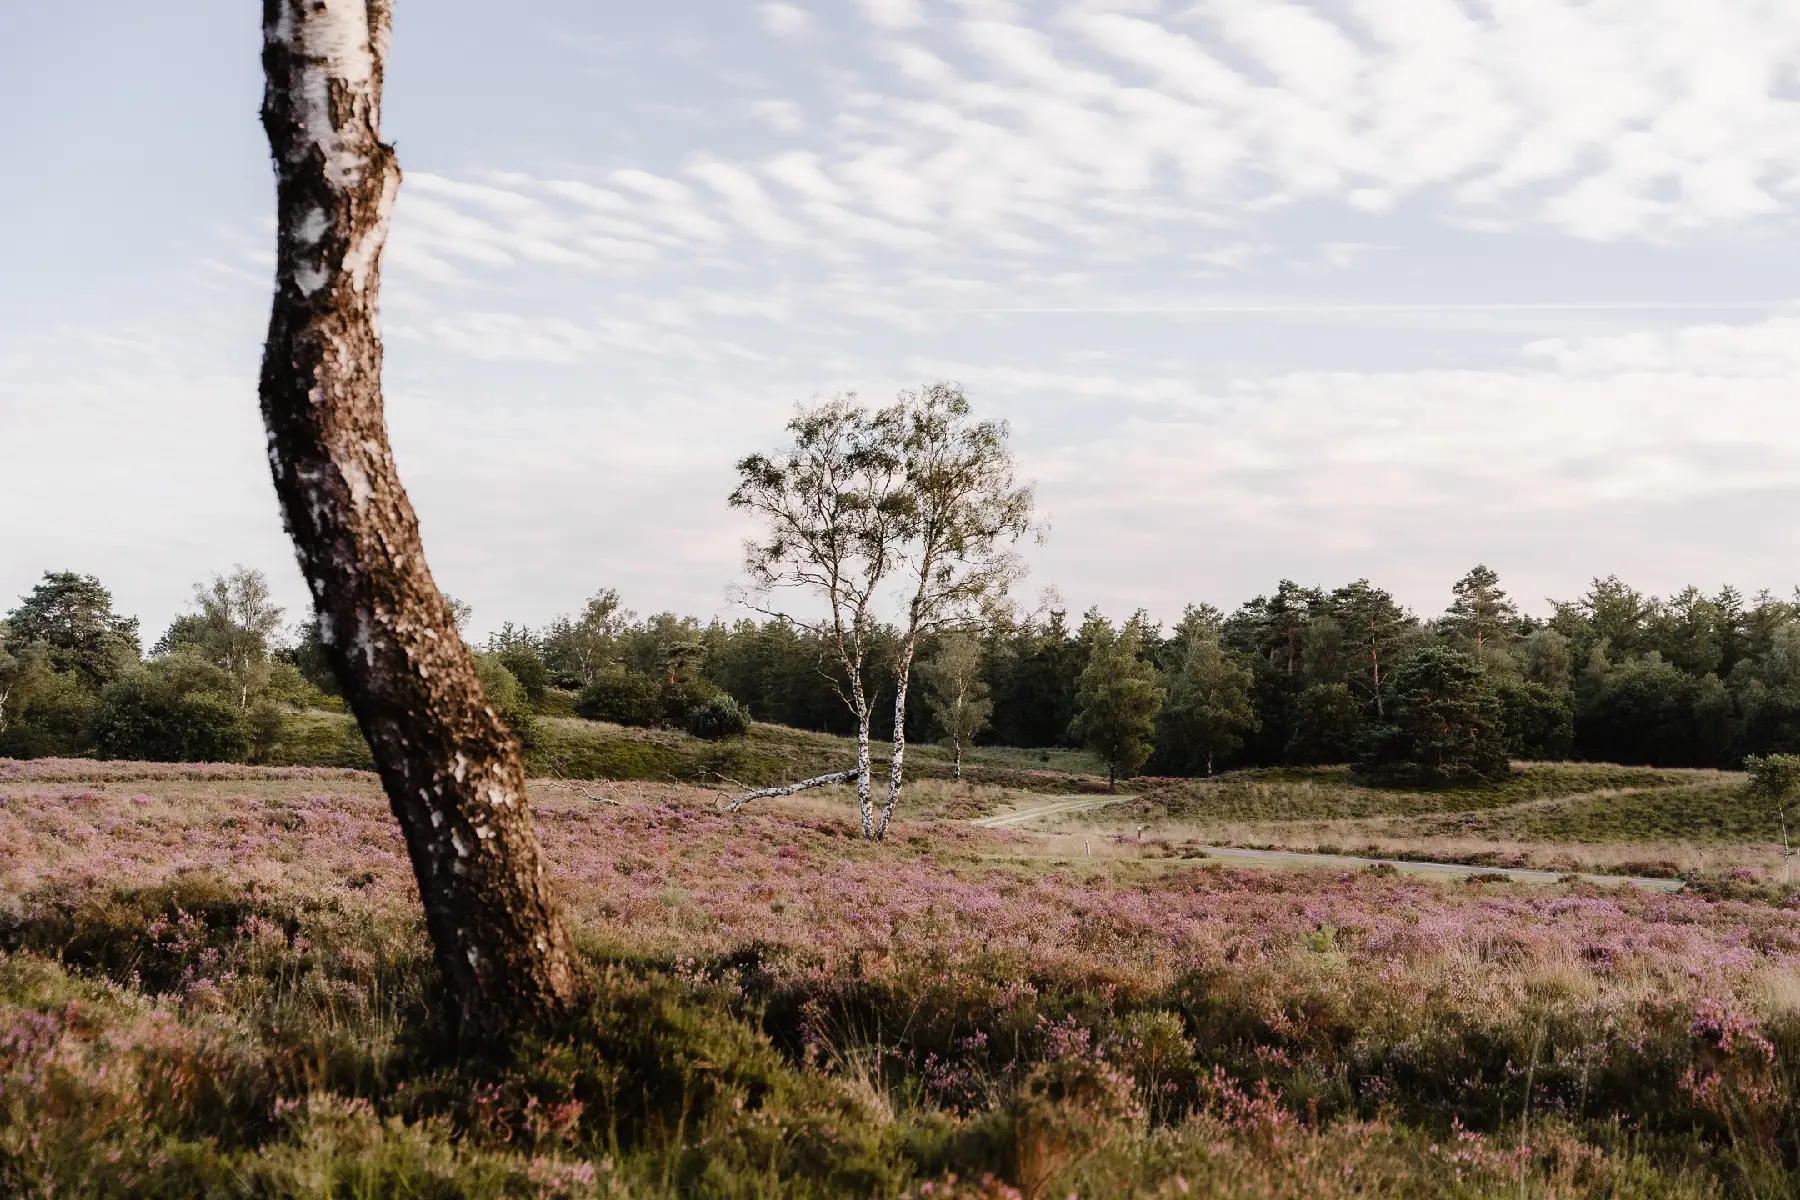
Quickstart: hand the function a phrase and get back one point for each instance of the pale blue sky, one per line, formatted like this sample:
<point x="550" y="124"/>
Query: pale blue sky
<point x="1318" y="290"/>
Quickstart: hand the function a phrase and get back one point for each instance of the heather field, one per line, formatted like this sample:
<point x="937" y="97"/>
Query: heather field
<point x="215" y="983"/>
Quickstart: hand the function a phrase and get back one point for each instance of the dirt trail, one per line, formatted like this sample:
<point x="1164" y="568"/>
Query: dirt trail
<point x="1062" y="806"/>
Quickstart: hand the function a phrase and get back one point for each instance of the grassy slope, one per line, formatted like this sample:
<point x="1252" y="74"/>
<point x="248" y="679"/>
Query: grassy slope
<point x="1545" y="804"/>
<point x="571" y="748"/>
<point x="1573" y="802"/>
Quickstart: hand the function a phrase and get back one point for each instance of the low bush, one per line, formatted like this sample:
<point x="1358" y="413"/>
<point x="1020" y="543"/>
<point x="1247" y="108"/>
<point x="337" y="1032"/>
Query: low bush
<point x="622" y="697"/>
<point x="717" y="718"/>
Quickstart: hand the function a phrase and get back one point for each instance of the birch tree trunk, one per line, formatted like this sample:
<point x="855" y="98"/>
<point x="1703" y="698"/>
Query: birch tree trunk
<point x="451" y="768"/>
<point x="897" y="763"/>
<point x="865" y="801"/>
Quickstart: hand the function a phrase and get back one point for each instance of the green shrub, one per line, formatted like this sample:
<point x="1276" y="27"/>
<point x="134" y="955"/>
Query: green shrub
<point x="622" y="697"/>
<point x="507" y="696"/>
<point x="717" y="718"/>
<point x="683" y="695"/>
<point x="527" y="666"/>
<point x="47" y="713"/>
<point x="288" y="686"/>
<point x="150" y="718"/>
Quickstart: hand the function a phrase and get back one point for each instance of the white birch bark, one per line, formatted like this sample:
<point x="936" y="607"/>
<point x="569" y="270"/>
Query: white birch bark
<point x="896" y="765"/>
<point x="451" y="768"/>
<point x="789" y="789"/>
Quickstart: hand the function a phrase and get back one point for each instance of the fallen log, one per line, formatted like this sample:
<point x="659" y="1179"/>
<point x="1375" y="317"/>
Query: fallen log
<point x="790" y="788"/>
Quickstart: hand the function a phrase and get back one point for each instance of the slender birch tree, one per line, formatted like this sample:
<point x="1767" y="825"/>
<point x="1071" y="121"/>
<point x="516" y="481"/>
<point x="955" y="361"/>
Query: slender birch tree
<point x="957" y="694"/>
<point x="834" y="511"/>
<point x="237" y="618"/>
<point x="964" y="510"/>
<point x="451" y="768"/>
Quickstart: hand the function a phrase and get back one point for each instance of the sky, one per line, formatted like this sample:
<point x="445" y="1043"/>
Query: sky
<point x="1370" y="288"/>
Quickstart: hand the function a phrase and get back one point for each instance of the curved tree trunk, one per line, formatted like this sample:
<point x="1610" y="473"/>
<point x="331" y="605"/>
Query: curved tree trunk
<point x="451" y="768"/>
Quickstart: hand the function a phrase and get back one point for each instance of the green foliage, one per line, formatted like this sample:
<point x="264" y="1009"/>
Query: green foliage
<point x="1539" y="721"/>
<point x="505" y="694"/>
<point x="717" y="718"/>
<point x="320" y="739"/>
<point x="1209" y="707"/>
<point x="955" y="692"/>
<point x="1443" y="723"/>
<point x="622" y="697"/>
<point x="1481" y="615"/>
<point x="527" y="666"/>
<point x="42" y="711"/>
<point x="71" y="616"/>
<point x="151" y="716"/>
<point x="1647" y="710"/>
<point x="1117" y="699"/>
<point x="1327" y="723"/>
<point x="307" y="656"/>
<point x="1774" y="780"/>
<point x="287" y="685"/>
<point x="1615" y="675"/>
<point x="1374" y="631"/>
<point x="577" y="649"/>
<point x="232" y="629"/>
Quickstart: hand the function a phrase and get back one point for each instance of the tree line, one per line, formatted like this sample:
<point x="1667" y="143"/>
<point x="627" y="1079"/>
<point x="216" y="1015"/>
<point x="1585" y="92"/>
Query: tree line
<point x="1295" y="676"/>
<point x="1299" y="675"/>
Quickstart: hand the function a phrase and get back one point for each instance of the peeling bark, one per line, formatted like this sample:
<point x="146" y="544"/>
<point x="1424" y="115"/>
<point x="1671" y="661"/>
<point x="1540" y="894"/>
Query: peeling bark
<point x="452" y="770"/>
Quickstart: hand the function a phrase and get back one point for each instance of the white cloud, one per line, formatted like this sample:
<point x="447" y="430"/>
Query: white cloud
<point x="1007" y="193"/>
<point x="785" y="20"/>
<point x="1129" y="132"/>
<point x="783" y="116"/>
<point x="1766" y="350"/>
<point x="895" y="14"/>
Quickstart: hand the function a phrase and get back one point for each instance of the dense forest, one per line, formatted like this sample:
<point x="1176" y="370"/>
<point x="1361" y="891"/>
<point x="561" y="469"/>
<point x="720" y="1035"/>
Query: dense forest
<point x="1298" y="675"/>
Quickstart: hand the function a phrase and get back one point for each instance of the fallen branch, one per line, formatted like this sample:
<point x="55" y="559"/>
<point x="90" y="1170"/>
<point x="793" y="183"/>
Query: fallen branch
<point x="789" y="789"/>
<point x="588" y="795"/>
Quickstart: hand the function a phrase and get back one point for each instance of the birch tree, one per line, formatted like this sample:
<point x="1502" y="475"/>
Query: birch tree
<point x="957" y="694"/>
<point x="834" y="511"/>
<point x="964" y="512"/>
<point x="237" y="618"/>
<point x="579" y="649"/>
<point x="12" y="669"/>
<point x="451" y="768"/>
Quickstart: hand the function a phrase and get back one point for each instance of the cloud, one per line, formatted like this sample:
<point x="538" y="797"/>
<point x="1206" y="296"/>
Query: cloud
<point x="1130" y="132"/>
<point x="785" y="20"/>
<point x="783" y="116"/>
<point x="1141" y="231"/>
<point x="895" y="14"/>
<point x="1765" y="350"/>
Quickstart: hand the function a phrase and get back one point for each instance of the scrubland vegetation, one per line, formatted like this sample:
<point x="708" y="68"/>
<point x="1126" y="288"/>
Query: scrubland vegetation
<point x="215" y="982"/>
